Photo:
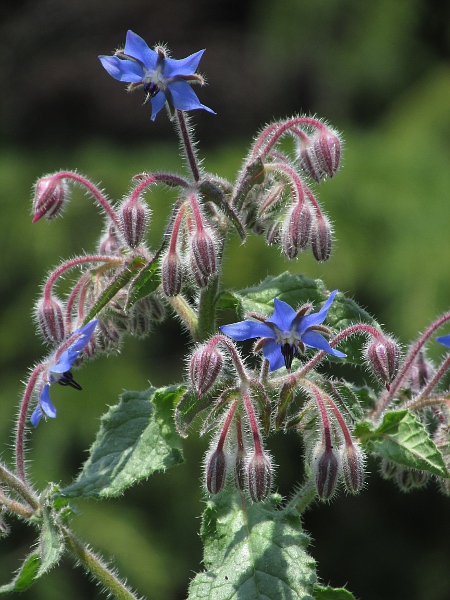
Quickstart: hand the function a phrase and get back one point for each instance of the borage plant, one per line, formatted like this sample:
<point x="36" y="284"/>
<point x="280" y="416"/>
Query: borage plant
<point x="254" y="544"/>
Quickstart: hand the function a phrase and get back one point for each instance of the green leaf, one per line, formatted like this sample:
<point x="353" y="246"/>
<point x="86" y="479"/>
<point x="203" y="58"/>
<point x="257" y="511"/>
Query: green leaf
<point x="51" y="544"/>
<point x="253" y="551"/>
<point x="296" y="289"/>
<point x="25" y="576"/>
<point x="402" y="439"/>
<point x="145" y="283"/>
<point x="136" y="438"/>
<point x="188" y="408"/>
<point x="329" y="593"/>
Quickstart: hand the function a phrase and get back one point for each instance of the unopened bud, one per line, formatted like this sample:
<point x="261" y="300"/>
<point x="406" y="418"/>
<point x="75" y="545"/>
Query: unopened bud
<point x="326" y="470"/>
<point x="383" y="356"/>
<point x="109" y="242"/>
<point x="216" y="471"/>
<point x="134" y="217"/>
<point x="259" y="477"/>
<point x="203" y="255"/>
<point x="50" y="193"/>
<point x="140" y="324"/>
<point x="327" y="150"/>
<point x="296" y="230"/>
<point x="108" y="336"/>
<point x="51" y="320"/>
<point x="273" y="232"/>
<point x="171" y="274"/>
<point x="152" y="307"/>
<point x="408" y="479"/>
<point x="204" y="369"/>
<point x="352" y="460"/>
<point x="321" y="238"/>
<point x="421" y="372"/>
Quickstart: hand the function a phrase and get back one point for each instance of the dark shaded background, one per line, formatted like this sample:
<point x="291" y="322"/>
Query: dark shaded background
<point x="380" y="73"/>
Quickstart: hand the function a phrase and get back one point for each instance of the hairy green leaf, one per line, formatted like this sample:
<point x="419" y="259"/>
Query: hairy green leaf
<point x="253" y="551"/>
<point x="145" y="283"/>
<point x="402" y="439"/>
<point x="136" y="438"/>
<point x="329" y="593"/>
<point x="25" y="576"/>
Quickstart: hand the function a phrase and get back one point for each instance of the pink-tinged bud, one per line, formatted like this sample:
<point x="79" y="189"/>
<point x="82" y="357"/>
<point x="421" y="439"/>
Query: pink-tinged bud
<point x="326" y="469"/>
<point x="259" y="477"/>
<point x="50" y="193"/>
<point x="108" y="336"/>
<point x="383" y="356"/>
<point x="151" y="307"/>
<point x="203" y="256"/>
<point x="134" y="217"/>
<point x="309" y="164"/>
<point x="109" y="242"/>
<point x="321" y="238"/>
<point x="171" y="274"/>
<point x="240" y="471"/>
<point x="51" y="320"/>
<point x="204" y="369"/>
<point x="352" y="460"/>
<point x="273" y="233"/>
<point x="421" y="372"/>
<point x="296" y="230"/>
<point x="216" y="471"/>
<point x="327" y="150"/>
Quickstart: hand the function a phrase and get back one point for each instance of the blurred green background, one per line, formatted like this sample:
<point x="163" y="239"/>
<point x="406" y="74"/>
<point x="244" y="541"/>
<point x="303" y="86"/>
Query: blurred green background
<point x="380" y="73"/>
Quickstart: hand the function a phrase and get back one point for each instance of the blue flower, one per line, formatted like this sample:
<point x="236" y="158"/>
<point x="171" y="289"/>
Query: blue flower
<point x="59" y="372"/>
<point x="444" y="340"/>
<point x="285" y="333"/>
<point x="163" y="79"/>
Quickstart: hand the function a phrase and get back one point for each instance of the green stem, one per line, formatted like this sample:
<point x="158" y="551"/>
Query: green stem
<point x="18" y="486"/>
<point x="97" y="568"/>
<point x="304" y="496"/>
<point x="207" y="310"/>
<point x="186" y="314"/>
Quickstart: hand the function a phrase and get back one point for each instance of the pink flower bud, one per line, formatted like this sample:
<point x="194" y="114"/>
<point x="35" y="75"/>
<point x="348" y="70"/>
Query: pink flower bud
<point x="216" y="471"/>
<point x="296" y="230"/>
<point x="109" y="242"/>
<point x="259" y="477"/>
<point x="108" y="336"/>
<point x="352" y="460"/>
<point x="152" y="307"/>
<point x="327" y="150"/>
<point x="326" y="470"/>
<point x="171" y="274"/>
<point x="383" y="356"/>
<point x="134" y="217"/>
<point x="421" y="372"/>
<point x="321" y="238"/>
<point x="51" y="320"/>
<point x="203" y="256"/>
<point x="204" y="369"/>
<point x="50" y="193"/>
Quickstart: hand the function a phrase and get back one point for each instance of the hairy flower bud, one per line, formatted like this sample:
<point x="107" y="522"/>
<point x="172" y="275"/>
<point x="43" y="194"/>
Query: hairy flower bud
<point x="152" y="307"/>
<point x="321" y="238"/>
<point x="50" y="193"/>
<point x="50" y="318"/>
<point x="203" y="256"/>
<point x="204" y="368"/>
<point x="109" y="242"/>
<point x="421" y="372"/>
<point x="216" y="471"/>
<point x="326" y="470"/>
<point x="171" y="274"/>
<point x="108" y="335"/>
<point x="134" y="217"/>
<point x="352" y="460"/>
<point x="408" y="479"/>
<point x="383" y="356"/>
<point x="296" y="229"/>
<point x="327" y="150"/>
<point x="259" y="477"/>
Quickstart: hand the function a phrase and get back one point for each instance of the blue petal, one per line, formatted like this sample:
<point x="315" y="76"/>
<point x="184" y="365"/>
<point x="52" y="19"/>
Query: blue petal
<point x="185" y="66"/>
<point x="136" y="47"/>
<point x="36" y="416"/>
<point x="444" y="340"/>
<point x="272" y="351"/>
<point x="86" y="333"/>
<point x="313" y="339"/>
<point x="157" y="103"/>
<point x="64" y="363"/>
<point x="283" y="315"/>
<point x="182" y="96"/>
<point x="316" y="318"/>
<point x="123" y="70"/>
<point x="246" y="330"/>
<point x="46" y="403"/>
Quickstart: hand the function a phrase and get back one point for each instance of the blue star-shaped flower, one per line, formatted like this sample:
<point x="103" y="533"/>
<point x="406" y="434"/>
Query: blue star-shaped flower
<point x="163" y="79"/>
<point x="285" y="332"/>
<point x="60" y="372"/>
<point x="444" y="340"/>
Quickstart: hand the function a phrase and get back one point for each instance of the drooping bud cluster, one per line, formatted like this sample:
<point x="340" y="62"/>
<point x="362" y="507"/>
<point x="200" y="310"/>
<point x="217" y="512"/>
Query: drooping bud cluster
<point x="280" y="203"/>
